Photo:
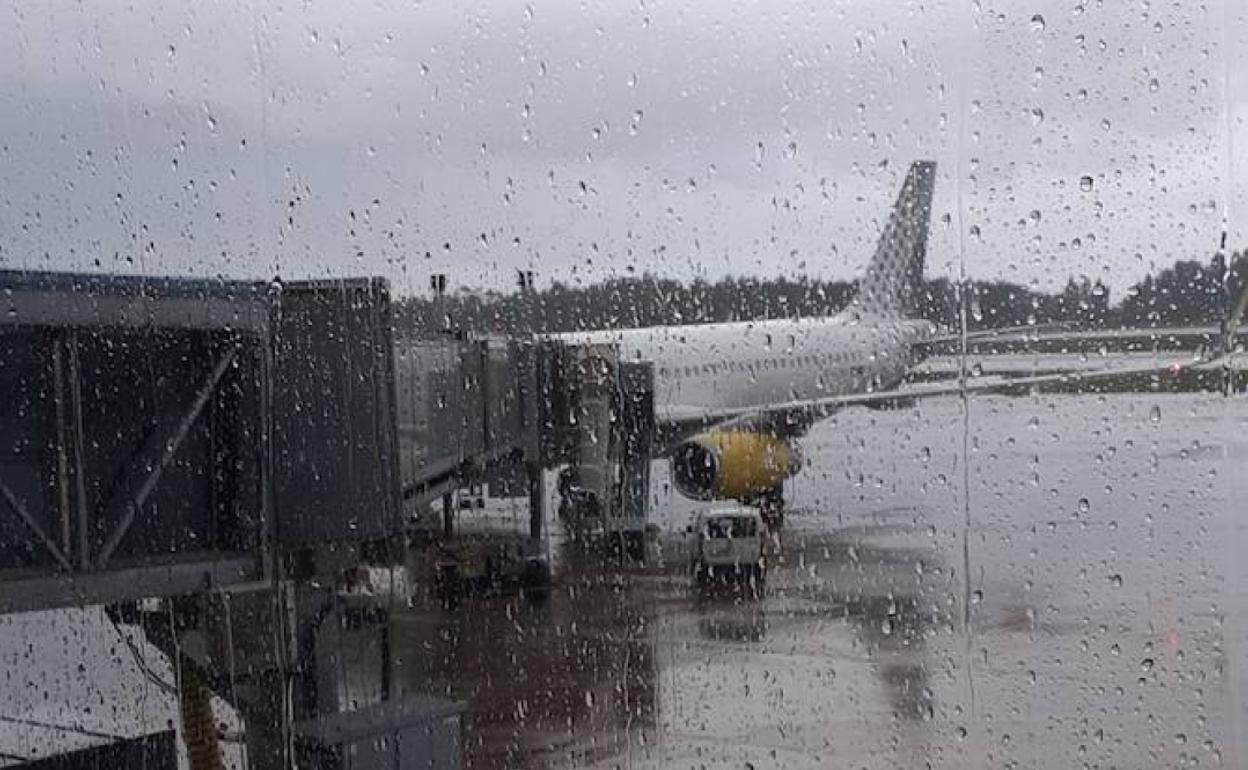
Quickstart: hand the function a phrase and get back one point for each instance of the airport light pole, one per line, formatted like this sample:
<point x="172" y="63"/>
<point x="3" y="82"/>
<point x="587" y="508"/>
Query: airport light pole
<point x="532" y="450"/>
<point x="437" y="284"/>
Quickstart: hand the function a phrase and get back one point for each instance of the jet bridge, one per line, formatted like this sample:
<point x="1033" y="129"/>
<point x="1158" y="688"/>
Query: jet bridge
<point x="212" y="461"/>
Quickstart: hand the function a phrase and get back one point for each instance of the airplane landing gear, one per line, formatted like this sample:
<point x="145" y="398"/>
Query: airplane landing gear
<point x="771" y="507"/>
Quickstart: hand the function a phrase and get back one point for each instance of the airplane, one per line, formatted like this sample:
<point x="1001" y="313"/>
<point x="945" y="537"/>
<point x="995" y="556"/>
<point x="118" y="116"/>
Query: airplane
<point x="732" y="399"/>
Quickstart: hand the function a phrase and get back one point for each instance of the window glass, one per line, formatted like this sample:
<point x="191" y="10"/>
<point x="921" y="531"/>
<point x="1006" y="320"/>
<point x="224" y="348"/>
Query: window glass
<point x="339" y="400"/>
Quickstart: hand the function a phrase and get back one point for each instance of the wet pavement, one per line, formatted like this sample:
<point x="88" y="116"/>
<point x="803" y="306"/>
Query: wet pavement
<point x="1040" y="582"/>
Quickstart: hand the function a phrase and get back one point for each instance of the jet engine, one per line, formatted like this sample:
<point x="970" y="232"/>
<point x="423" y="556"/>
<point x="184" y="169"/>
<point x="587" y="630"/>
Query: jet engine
<point x="733" y="464"/>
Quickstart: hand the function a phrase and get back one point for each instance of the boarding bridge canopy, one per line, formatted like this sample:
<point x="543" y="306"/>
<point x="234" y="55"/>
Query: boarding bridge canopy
<point x="166" y="435"/>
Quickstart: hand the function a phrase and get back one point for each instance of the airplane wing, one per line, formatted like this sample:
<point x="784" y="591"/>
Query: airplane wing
<point x="805" y="411"/>
<point x="1029" y="331"/>
<point x="1061" y="334"/>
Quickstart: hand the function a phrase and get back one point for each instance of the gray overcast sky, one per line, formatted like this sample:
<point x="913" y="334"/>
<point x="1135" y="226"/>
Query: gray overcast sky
<point x="587" y="139"/>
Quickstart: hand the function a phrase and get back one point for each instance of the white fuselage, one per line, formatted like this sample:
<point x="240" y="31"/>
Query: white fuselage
<point x="701" y="370"/>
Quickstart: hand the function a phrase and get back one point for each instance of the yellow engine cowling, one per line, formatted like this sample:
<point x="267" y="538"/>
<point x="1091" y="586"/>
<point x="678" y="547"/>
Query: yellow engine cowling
<point x="732" y="464"/>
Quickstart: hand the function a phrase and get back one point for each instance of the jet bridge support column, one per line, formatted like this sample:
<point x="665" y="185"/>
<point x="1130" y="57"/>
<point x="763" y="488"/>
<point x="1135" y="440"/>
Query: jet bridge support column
<point x="537" y="501"/>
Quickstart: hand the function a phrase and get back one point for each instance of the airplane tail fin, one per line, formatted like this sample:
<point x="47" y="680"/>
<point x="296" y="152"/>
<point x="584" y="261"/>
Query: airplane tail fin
<point x="894" y="277"/>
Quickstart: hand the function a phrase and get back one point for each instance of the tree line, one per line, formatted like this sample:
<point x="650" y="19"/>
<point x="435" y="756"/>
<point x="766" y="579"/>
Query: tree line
<point x="1188" y="292"/>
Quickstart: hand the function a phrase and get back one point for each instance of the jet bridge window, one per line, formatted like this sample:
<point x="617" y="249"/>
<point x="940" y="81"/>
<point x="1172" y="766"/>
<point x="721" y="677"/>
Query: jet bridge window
<point x="725" y="527"/>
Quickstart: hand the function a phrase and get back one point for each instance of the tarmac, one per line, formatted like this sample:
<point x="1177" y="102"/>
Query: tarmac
<point x="1048" y="581"/>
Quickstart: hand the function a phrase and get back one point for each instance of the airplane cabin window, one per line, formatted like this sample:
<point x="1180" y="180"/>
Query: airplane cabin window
<point x="350" y="395"/>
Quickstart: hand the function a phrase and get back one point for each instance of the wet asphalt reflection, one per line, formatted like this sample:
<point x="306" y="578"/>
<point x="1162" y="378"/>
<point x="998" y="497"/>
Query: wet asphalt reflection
<point x="637" y="665"/>
<point x="1083" y="608"/>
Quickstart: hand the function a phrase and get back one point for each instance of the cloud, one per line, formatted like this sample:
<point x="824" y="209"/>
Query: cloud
<point x="586" y="140"/>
